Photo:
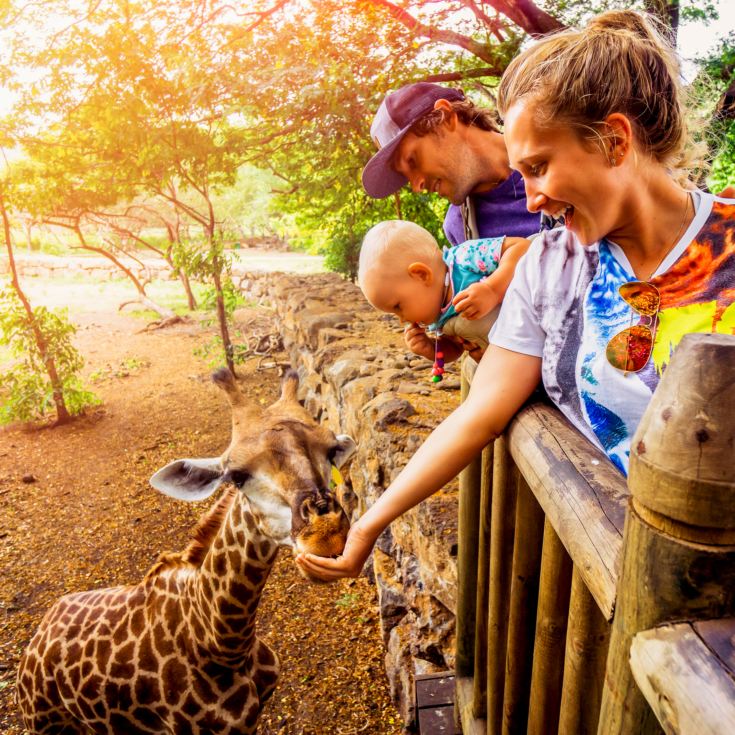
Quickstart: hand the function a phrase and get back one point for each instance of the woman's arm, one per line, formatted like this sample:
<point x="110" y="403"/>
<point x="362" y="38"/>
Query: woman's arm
<point x="503" y="381"/>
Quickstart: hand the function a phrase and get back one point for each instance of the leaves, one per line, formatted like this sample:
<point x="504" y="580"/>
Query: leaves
<point x="25" y="388"/>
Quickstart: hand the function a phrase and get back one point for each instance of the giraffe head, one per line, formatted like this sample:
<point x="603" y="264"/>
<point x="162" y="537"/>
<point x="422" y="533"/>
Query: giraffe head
<point x="281" y="460"/>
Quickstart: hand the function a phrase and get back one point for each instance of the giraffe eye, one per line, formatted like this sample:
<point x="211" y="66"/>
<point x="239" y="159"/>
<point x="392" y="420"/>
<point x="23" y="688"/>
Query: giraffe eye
<point x="237" y="477"/>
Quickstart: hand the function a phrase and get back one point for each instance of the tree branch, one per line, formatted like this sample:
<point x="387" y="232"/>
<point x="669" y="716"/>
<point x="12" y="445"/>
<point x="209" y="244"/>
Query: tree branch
<point x="486" y="71"/>
<point x="492" y="24"/>
<point x="436" y="34"/>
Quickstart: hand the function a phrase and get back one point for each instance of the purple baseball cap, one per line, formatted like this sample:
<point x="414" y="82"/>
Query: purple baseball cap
<point x="396" y="114"/>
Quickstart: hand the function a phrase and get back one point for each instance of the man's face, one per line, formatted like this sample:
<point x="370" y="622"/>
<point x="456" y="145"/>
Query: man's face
<point x="440" y="163"/>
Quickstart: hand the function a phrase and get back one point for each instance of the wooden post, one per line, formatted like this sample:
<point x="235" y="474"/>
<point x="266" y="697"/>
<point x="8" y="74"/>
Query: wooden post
<point x="588" y="636"/>
<point x="551" y="633"/>
<point x="679" y="538"/>
<point x="479" y="696"/>
<point x="523" y="604"/>
<point x="502" y="528"/>
<point x="469" y="529"/>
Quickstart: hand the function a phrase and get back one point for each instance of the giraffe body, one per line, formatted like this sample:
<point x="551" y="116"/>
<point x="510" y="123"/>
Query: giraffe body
<point x="177" y="654"/>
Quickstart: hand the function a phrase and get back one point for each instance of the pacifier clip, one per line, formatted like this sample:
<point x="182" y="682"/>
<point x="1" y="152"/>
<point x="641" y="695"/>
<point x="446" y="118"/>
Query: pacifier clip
<point x="438" y="369"/>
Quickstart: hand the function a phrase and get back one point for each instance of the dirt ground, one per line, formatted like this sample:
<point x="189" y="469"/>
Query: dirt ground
<point x="89" y="519"/>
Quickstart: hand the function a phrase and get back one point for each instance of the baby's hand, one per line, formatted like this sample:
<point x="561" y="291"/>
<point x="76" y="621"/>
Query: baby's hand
<point x="476" y="300"/>
<point x="422" y="345"/>
<point x="418" y="341"/>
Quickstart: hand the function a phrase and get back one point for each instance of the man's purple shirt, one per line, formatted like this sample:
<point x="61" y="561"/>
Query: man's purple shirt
<point x="500" y="211"/>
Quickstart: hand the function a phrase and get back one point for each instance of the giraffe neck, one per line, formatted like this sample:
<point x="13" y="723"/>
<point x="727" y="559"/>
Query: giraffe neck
<point x="226" y="591"/>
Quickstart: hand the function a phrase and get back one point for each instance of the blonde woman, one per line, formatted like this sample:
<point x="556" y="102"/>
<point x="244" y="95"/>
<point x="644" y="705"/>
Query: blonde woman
<point x="594" y="122"/>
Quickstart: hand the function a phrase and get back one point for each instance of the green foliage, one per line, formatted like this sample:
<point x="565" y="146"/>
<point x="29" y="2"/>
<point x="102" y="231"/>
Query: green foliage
<point x="716" y="76"/>
<point x="25" y="387"/>
<point x="247" y="121"/>
<point x="360" y="213"/>
<point x="698" y="10"/>
<point x="723" y="169"/>
<point x="230" y="295"/>
<point x="347" y="600"/>
<point x="213" y="350"/>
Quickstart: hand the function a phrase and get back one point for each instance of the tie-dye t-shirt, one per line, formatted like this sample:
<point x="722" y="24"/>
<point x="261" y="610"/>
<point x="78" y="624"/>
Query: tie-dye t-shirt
<point x="563" y="306"/>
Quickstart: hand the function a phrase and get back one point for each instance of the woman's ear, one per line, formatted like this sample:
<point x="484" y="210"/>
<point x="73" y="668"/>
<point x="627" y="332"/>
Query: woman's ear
<point x="618" y="137"/>
<point x="421" y="272"/>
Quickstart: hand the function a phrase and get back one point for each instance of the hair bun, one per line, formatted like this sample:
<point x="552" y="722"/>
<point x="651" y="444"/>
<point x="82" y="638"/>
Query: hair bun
<point x="644" y="27"/>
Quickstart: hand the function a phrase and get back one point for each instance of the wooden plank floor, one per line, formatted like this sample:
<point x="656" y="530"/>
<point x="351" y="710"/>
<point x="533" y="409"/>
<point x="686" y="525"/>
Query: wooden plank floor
<point x="435" y="704"/>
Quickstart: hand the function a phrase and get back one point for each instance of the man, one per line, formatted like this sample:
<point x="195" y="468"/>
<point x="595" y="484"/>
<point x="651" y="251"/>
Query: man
<point x="438" y="141"/>
<point x="433" y="138"/>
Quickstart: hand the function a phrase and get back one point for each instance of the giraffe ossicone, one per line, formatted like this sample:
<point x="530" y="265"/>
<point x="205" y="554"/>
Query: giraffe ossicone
<point x="178" y="652"/>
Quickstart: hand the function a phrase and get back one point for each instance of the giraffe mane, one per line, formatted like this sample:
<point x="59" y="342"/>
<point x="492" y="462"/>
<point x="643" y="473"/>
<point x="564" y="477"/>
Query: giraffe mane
<point x="203" y="536"/>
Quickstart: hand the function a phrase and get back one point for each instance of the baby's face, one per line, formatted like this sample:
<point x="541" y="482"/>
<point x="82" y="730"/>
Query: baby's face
<point x="410" y="299"/>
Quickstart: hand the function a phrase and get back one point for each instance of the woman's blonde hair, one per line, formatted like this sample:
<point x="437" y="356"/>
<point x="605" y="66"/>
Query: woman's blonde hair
<point x="621" y="62"/>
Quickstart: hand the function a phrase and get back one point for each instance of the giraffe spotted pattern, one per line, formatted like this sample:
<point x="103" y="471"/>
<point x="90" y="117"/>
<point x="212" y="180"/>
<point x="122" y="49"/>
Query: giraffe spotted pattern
<point x="178" y="652"/>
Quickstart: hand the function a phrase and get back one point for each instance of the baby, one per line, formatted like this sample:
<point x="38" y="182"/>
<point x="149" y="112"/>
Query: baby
<point x="455" y="293"/>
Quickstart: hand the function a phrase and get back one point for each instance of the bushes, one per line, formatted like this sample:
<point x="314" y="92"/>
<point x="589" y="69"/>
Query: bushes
<point x="26" y="393"/>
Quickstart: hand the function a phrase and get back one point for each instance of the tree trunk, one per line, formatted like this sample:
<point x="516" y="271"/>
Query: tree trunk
<point x="397" y="198"/>
<point x="191" y="301"/>
<point x="173" y="238"/>
<point x="667" y="11"/>
<point x="62" y="414"/>
<point x="222" y="314"/>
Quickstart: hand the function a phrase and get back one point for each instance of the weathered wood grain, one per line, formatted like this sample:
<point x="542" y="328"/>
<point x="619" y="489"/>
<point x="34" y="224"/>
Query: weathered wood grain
<point x="588" y="637"/>
<point x="468" y="533"/>
<point x="686" y="684"/>
<point x="463" y="704"/>
<point x="502" y="531"/>
<point x="523" y="604"/>
<point x="682" y="454"/>
<point x="674" y="564"/>
<point x="582" y="494"/>
<point x="479" y="708"/>
<point x="551" y="630"/>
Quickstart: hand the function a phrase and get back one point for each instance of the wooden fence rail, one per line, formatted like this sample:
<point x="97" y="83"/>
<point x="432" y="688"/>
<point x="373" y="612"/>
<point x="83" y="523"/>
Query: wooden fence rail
<point x="563" y="566"/>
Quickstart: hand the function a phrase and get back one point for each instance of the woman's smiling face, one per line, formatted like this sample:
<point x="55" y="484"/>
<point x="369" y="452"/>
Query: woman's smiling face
<point x="565" y="175"/>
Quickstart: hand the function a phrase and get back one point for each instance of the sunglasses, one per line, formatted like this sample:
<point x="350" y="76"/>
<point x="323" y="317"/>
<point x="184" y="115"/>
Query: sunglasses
<point x="630" y="350"/>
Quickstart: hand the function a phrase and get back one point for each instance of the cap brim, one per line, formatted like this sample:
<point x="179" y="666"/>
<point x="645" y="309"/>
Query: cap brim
<point x="379" y="178"/>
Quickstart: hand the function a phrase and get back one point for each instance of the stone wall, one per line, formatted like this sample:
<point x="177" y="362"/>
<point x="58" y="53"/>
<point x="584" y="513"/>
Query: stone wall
<point x="358" y="375"/>
<point x="96" y="268"/>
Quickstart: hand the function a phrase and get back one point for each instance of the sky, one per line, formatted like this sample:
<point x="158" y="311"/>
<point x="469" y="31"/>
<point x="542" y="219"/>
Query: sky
<point x="696" y="39"/>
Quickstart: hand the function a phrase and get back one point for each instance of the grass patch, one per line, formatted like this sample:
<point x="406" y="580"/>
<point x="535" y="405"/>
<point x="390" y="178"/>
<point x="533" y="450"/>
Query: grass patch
<point x="127" y="367"/>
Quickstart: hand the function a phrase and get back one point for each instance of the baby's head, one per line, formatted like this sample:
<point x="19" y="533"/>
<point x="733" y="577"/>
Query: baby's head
<point x="401" y="271"/>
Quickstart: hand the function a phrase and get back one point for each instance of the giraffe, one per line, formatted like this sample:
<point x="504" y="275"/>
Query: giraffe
<point x="178" y="652"/>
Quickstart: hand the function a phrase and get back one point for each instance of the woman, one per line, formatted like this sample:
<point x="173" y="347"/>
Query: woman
<point x="595" y="123"/>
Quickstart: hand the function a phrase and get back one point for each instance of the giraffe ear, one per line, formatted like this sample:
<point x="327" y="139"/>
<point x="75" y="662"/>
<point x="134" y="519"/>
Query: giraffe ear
<point x="345" y="448"/>
<point x="189" y="479"/>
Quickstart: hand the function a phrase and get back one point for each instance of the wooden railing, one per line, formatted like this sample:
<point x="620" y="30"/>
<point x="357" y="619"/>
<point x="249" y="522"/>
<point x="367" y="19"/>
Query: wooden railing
<point x="562" y="564"/>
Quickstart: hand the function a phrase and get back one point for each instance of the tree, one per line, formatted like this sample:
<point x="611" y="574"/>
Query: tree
<point x="132" y="86"/>
<point x="42" y="339"/>
<point x="176" y="96"/>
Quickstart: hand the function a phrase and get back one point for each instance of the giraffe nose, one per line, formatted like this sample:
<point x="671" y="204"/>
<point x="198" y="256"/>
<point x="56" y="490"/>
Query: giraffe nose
<point x="319" y="504"/>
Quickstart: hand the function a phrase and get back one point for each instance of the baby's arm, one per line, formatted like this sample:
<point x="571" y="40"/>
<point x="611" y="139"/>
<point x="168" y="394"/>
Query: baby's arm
<point x="482" y="297"/>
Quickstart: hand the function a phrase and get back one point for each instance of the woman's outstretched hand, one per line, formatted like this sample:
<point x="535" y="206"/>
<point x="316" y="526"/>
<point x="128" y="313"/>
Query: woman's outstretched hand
<point x="349" y="564"/>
